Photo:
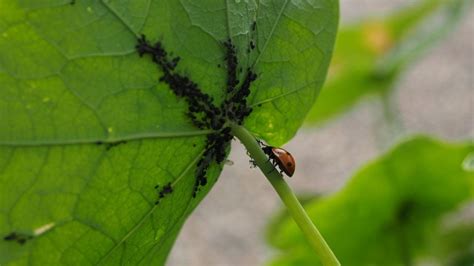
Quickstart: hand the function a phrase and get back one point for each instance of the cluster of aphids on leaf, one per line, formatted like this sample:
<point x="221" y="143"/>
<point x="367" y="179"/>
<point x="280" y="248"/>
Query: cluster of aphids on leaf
<point x="17" y="237"/>
<point x="167" y="189"/>
<point x="202" y="111"/>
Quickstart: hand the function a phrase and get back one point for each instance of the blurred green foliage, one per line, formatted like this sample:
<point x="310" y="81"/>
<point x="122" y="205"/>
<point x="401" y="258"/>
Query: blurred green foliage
<point x="390" y="212"/>
<point x="394" y="210"/>
<point x="456" y="242"/>
<point x="370" y="55"/>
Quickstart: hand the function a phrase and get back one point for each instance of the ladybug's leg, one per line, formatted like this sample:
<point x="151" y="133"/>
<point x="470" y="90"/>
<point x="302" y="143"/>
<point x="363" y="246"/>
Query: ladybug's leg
<point x="275" y="164"/>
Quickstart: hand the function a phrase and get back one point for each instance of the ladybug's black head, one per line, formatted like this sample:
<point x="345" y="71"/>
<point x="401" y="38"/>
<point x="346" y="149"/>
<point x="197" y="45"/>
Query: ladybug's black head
<point x="267" y="150"/>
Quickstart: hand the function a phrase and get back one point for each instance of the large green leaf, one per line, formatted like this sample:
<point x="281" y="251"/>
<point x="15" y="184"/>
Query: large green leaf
<point x="73" y="89"/>
<point x="371" y="55"/>
<point x="389" y="212"/>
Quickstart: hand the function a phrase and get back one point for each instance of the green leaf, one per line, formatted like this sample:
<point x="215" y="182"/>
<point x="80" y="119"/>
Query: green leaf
<point x="87" y="130"/>
<point x="371" y="55"/>
<point x="456" y="242"/>
<point x="389" y="212"/>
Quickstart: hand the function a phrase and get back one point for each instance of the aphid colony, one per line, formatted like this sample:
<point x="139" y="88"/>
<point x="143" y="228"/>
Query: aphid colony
<point x="205" y="115"/>
<point x="201" y="109"/>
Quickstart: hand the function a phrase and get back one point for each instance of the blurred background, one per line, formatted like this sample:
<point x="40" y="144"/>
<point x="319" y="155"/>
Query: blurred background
<point x="425" y="86"/>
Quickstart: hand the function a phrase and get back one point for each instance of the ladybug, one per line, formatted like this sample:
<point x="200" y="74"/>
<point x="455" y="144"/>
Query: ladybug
<point x="280" y="157"/>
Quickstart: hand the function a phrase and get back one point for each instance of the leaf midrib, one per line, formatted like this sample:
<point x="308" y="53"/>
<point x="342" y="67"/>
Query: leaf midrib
<point x="277" y="21"/>
<point x="132" y="137"/>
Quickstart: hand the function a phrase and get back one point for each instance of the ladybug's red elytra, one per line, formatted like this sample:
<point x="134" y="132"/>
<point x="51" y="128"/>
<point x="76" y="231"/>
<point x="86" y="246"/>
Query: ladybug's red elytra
<point x="280" y="157"/>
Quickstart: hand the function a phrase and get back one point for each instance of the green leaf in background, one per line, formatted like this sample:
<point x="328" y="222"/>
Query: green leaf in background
<point x="371" y="55"/>
<point x="389" y="212"/>
<point x="87" y="130"/>
<point x="456" y="242"/>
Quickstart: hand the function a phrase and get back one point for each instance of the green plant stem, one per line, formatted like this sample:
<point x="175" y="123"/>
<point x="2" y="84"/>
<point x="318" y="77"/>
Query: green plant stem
<point x="297" y="211"/>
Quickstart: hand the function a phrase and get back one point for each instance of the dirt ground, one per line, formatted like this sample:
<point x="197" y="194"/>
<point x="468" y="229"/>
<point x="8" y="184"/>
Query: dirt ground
<point x="436" y="96"/>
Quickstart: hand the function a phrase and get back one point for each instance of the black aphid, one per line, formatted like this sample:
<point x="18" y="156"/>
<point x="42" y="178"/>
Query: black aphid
<point x="17" y="237"/>
<point x="167" y="189"/>
<point x="110" y="145"/>
<point x="252" y="45"/>
<point x="254" y="25"/>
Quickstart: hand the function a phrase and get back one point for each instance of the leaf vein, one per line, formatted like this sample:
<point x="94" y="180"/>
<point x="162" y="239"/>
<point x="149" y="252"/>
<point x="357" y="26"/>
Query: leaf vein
<point x="150" y="212"/>
<point x="271" y="33"/>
